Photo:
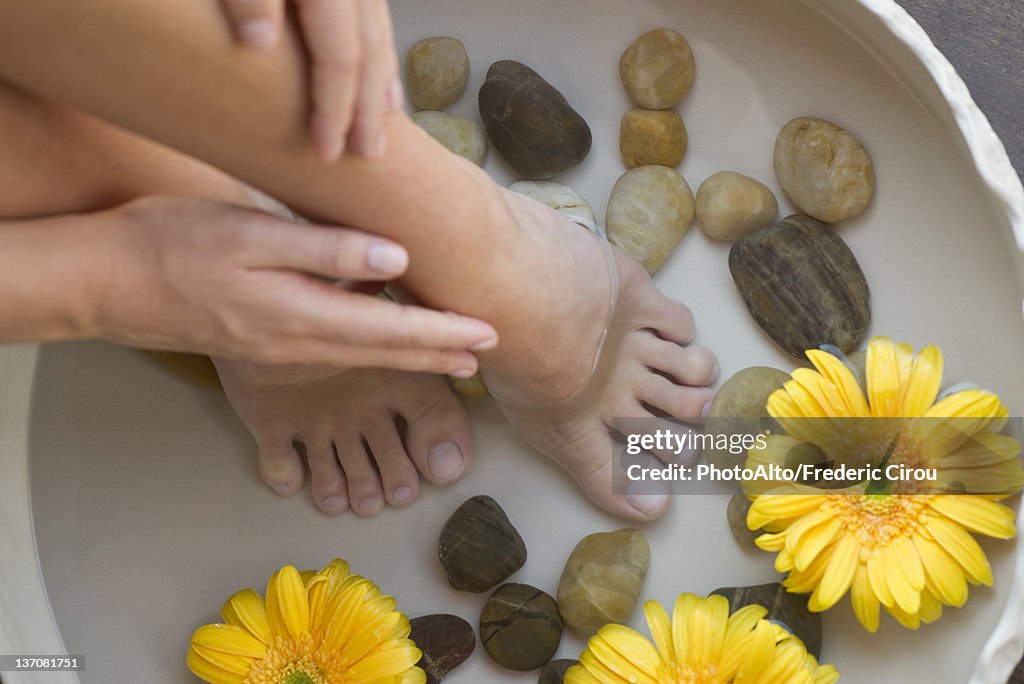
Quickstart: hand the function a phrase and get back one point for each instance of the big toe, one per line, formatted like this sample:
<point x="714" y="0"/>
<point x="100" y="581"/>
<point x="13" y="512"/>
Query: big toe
<point x="592" y="461"/>
<point x="281" y="466"/>
<point x="438" y="438"/>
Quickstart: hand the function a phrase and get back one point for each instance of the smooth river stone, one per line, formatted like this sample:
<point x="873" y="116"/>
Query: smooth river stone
<point x="736" y="513"/>
<point x="740" y="408"/>
<point x="436" y="72"/>
<point x="554" y="672"/>
<point x="462" y="136"/>
<point x="649" y="210"/>
<point x="445" y="641"/>
<point x="557" y="196"/>
<point x="479" y="547"/>
<point x="657" y="69"/>
<point x="602" y="579"/>
<point x="520" y="627"/>
<point x="802" y="285"/>
<point x="784" y="608"/>
<point x="825" y="171"/>
<point x="648" y="137"/>
<point x="730" y="206"/>
<point x="530" y="123"/>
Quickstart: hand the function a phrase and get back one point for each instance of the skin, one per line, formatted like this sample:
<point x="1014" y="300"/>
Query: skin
<point x="169" y="72"/>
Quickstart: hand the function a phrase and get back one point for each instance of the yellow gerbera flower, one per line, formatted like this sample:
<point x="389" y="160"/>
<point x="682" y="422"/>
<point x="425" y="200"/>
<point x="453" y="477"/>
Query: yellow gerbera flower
<point x="703" y="644"/>
<point x="911" y="553"/>
<point x="327" y="627"/>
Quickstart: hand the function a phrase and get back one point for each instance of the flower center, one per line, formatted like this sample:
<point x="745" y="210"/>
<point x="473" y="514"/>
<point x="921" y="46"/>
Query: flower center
<point x="684" y="673"/>
<point x="878" y="519"/>
<point x="298" y="661"/>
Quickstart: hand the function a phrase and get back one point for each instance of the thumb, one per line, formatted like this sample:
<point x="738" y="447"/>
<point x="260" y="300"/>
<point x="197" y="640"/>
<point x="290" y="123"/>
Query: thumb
<point x="257" y="23"/>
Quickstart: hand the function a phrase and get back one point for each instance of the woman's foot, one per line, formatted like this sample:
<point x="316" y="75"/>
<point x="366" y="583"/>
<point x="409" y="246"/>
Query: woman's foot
<point x="367" y="435"/>
<point x="557" y="397"/>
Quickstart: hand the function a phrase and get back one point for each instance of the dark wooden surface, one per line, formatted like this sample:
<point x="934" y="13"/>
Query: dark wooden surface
<point x="984" y="40"/>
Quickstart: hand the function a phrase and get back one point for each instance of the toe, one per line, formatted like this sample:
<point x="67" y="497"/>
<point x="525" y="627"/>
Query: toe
<point x="364" y="488"/>
<point x="330" y="490"/>
<point x="592" y="463"/>
<point x="694" y="365"/>
<point x="438" y="438"/>
<point x="397" y="473"/>
<point x="281" y="466"/>
<point x="672" y="320"/>
<point x="678" y="401"/>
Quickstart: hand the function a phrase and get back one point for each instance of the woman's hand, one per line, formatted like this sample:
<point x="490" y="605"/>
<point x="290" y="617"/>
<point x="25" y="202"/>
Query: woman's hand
<point x="354" y="68"/>
<point x="199" y="276"/>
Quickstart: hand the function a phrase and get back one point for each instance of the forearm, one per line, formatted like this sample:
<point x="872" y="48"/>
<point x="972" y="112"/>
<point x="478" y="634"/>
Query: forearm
<point x="52" y="274"/>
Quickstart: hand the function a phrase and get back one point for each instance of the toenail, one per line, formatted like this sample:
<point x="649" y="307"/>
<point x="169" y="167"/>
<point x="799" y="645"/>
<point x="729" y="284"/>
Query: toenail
<point x="715" y="370"/>
<point x="330" y="503"/>
<point x="282" y="488"/>
<point x="401" y="494"/>
<point x="705" y="410"/>
<point x="647" y="504"/>
<point x="368" y="505"/>
<point x="445" y="461"/>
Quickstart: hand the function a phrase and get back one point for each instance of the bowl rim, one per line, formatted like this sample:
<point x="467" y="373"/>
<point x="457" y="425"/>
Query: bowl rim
<point x="22" y="591"/>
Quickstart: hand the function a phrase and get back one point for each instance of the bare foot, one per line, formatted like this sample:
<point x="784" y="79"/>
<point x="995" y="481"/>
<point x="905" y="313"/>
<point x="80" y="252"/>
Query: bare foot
<point x="552" y="391"/>
<point x="365" y="433"/>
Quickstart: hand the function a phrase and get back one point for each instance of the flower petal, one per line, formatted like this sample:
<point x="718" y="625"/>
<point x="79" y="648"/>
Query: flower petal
<point x="684" y="607"/>
<point x="661" y="629"/>
<point x="876" y="578"/>
<point x="209" y="672"/>
<point x="910" y="563"/>
<point x="245" y="609"/>
<point x="865" y="602"/>
<point x="838" y="574"/>
<point x="578" y="674"/>
<point x="904" y="595"/>
<point x="977" y="514"/>
<point x="626" y="653"/>
<point x="944" y="576"/>
<point x="390" y="660"/>
<point x="922" y="386"/>
<point x="814" y="541"/>
<point x="853" y="401"/>
<point x="229" y="639"/>
<point x="959" y="544"/>
<point x="287" y="604"/>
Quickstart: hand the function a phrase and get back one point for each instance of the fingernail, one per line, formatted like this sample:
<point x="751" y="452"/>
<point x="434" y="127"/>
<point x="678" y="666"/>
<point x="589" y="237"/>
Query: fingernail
<point x="401" y="495"/>
<point x="330" y="504"/>
<point x="463" y="373"/>
<point x="705" y="410"/>
<point x="387" y="259"/>
<point x="395" y="96"/>
<point x="647" y="504"/>
<point x="282" y="488"/>
<point x="445" y="461"/>
<point x="484" y="345"/>
<point x="259" y="34"/>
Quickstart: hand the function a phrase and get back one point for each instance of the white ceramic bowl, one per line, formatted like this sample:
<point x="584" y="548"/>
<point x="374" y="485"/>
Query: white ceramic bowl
<point x="134" y="499"/>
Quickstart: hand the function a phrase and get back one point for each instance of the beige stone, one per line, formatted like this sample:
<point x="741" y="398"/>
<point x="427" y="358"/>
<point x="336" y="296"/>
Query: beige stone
<point x="657" y="69"/>
<point x="436" y="72"/>
<point x="602" y="579"/>
<point x="825" y="171"/>
<point x="462" y="136"/>
<point x="649" y="210"/>
<point x="559" y="197"/>
<point x="731" y="206"/>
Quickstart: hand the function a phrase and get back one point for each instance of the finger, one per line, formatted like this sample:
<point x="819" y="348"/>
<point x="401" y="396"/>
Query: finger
<point x="353" y="319"/>
<point x="331" y="252"/>
<point x="257" y="23"/>
<point x="333" y="39"/>
<point x="395" y="97"/>
<point x="380" y="65"/>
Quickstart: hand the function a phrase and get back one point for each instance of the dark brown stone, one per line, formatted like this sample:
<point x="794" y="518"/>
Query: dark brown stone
<point x="520" y="627"/>
<point x="554" y="672"/>
<point x="445" y="640"/>
<point x="530" y="123"/>
<point x="479" y="548"/>
<point x="784" y="608"/>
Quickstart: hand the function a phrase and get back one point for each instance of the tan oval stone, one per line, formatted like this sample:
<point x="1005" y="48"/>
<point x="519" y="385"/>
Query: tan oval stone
<point x="825" y="171"/>
<point x="469" y="387"/>
<point x="462" y="136"/>
<point x="657" y="69"/>
<point x="649" y="210"/>
<point x="730" y="206"/>
<point x="648" y="137"/>
<point x="436" y="72"/>
<point x="602" y="579"/>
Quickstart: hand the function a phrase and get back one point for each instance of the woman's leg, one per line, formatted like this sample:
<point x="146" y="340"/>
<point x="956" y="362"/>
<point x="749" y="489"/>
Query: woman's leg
<point x="60" y="161"/>
<point x="169" y="70"/>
